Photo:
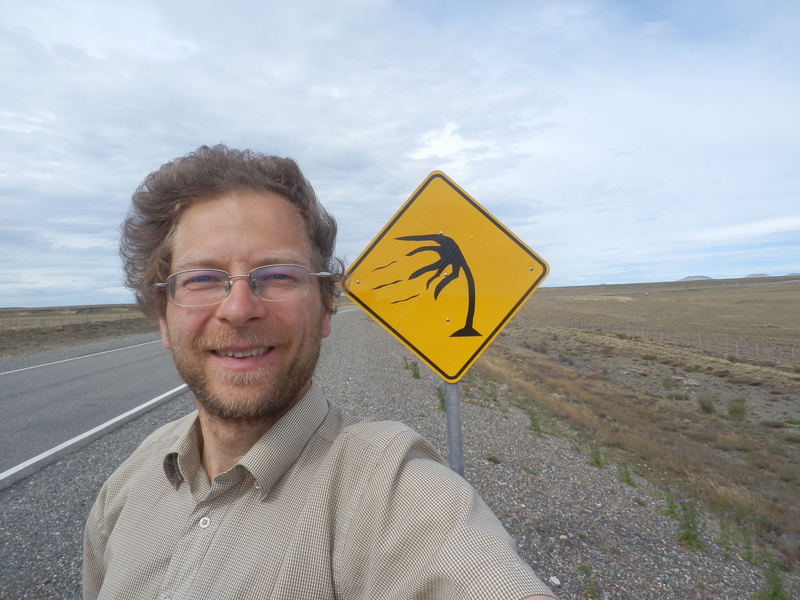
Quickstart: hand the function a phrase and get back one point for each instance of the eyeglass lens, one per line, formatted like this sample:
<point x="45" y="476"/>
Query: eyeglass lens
<point x="201" y="287"/>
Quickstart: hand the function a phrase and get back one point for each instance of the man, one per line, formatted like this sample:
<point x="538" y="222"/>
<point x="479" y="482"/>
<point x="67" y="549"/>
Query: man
<point x="267" y="491"/>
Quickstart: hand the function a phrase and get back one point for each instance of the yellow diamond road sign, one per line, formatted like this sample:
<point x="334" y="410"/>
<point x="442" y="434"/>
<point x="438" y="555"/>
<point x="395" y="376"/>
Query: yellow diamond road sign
<point x="444" y="276"/>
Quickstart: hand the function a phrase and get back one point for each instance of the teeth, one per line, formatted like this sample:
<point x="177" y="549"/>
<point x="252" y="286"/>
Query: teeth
<point x="256" y="352"/>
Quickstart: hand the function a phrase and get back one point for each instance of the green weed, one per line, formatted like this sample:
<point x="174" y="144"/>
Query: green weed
<point x="410" y="365"/>
<point x="690" y="527"/>
<point x="534" y="425"/>
<point x="541" y="347"/>
<point x="671" y="501"/>
<point x="737" y="409"/>
<point x="596" y="458"/>
<point x="748" y="529"/>
<point x="414" y="370"/>
<point x="624" y="474"/>
<point x="706" y="403"/>
<point x="590" y="587"/>
<point x="774" y="589"/>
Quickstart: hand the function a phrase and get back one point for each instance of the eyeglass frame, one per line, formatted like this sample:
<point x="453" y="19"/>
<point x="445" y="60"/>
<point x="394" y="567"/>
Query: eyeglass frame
<point x="229" y="284"/>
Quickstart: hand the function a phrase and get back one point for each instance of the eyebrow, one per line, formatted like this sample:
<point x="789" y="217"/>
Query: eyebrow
<point x="190" y="262"/>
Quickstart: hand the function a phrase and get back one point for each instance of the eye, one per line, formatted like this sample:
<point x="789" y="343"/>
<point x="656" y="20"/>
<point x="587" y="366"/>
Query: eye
<point x="279" y="275"/>
<point x="202" y="279"/>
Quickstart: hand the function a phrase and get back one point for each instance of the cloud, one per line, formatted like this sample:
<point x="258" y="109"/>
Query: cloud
<point x="100" y="29"/>
<point x="620" y="140"/>
<point x="443" y="144"/>
<point x="747" y="231"/>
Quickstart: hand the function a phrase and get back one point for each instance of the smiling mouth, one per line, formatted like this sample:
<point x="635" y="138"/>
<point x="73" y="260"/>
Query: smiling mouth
<point x="243" y="353"/>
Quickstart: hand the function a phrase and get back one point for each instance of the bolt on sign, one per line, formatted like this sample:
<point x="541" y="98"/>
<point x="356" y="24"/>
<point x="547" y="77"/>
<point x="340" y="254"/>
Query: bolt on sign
<point x="444" y="276"/>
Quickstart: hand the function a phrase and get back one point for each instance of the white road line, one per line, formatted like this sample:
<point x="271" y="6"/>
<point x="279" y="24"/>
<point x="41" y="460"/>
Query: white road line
<point x="77" y="357"/>
<point x="84" y="435"/>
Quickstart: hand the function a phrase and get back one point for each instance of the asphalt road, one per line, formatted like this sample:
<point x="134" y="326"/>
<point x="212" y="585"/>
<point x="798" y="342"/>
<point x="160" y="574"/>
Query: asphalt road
<point x="52" y="398"/>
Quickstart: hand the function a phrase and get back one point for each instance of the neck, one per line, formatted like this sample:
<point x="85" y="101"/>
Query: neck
<point x="224" y="442"/>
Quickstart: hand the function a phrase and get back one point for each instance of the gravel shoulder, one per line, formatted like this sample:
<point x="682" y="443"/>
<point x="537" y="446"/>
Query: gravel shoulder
<point x="578" y="524"/>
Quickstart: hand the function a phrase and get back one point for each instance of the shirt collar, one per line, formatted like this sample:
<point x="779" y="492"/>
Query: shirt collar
<point x="269" y="458"/>
<point x="183" y="456"/>
<point x="279" y="448"/>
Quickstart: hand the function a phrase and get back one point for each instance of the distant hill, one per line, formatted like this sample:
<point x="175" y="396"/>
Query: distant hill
<point x="751" y="276"/>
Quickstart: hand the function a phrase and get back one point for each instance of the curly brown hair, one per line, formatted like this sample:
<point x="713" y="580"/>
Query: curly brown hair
<point x="209" y="172"/>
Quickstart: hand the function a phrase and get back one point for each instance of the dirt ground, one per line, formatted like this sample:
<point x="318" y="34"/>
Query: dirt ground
<point x="29" y="330"/>
<point x="702" y="335"/>
<point x="693" y="385"/>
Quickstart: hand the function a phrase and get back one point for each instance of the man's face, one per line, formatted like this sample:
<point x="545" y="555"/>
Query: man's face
<point x="278" y="343"/>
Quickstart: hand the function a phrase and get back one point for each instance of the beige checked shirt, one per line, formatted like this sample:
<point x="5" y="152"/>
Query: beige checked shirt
<point x="323" y="506"/>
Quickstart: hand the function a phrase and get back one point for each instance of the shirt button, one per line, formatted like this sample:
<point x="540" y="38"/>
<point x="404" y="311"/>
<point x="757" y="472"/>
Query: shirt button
<point x="257" y="485"/>
<point x="205" y="522"/>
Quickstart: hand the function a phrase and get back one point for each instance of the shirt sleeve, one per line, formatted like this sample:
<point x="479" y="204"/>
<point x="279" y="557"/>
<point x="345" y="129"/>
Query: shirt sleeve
<point x="421" y="531"/>
<point x="94" y="547"/>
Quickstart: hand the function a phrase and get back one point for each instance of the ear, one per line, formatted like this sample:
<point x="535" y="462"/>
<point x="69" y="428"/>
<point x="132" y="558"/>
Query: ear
<point x="162" y="325"/>
<point x="326" y="324"/>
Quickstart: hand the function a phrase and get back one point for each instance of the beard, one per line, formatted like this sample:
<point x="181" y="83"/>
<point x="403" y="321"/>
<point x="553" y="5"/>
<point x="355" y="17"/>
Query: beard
<point x="264" y="394"/>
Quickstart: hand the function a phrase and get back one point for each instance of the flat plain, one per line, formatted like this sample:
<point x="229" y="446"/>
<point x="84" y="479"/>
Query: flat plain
<point x="28" y="330"/>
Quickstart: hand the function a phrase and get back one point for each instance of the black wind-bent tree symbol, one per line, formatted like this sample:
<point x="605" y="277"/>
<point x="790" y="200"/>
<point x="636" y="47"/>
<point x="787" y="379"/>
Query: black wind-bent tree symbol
<point x="449" y="256"/>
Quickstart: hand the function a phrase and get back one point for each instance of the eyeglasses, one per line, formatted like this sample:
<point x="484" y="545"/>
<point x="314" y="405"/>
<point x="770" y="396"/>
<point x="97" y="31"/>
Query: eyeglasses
<point x="204" y="287"/>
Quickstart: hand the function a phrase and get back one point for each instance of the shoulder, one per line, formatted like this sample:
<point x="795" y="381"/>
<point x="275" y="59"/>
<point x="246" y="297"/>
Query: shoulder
<point x="392" y="465"/>
<point x="386" y="440"/>
<point x="404" y="505"/>
<point x="342" y="436"/>
<point x="364" y="462"/>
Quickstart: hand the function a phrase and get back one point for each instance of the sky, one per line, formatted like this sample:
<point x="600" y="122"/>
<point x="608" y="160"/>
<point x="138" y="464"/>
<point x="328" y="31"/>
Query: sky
<point x="624" y="141"/>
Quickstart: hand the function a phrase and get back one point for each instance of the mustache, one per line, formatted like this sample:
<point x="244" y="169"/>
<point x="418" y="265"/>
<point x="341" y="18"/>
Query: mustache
<point x="248" y="338"/>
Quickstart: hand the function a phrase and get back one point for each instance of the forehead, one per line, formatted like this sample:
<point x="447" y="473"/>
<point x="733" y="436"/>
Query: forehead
<point x="240" y="227"/>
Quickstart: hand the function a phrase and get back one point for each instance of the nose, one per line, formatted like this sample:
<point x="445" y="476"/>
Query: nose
<point x="241" y="305"/>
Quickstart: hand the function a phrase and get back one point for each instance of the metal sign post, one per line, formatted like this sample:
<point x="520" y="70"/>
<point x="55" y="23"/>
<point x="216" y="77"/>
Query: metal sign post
<point x="452" y="405"/>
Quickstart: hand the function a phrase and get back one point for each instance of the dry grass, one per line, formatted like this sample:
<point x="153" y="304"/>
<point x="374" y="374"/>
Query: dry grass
<point x="33" y="318"/>
<point x="26" y="330"/>
<point x="660" y="406"/>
